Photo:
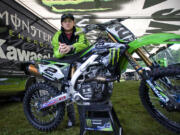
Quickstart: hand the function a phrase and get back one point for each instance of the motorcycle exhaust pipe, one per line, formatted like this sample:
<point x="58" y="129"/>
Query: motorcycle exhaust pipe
<point x="33" y="70"/>
<point x="99" y="79"/>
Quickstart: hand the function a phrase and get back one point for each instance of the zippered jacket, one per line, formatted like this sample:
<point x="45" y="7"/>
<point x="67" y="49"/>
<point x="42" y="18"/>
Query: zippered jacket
<point x="79" y="42"/>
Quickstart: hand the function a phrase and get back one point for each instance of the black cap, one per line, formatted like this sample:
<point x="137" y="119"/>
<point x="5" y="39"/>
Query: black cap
<point x="64" y="16"/>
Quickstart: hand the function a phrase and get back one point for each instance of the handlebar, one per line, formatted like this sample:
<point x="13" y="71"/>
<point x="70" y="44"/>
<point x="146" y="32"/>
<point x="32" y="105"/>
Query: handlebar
<point x="101" y="26"/>
<point x="113" y="21"/>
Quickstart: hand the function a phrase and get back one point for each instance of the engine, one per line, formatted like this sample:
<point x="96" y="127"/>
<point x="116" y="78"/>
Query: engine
<point x="91" y="87"/>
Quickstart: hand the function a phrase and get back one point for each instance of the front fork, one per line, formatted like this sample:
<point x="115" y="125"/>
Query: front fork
<point x="157" y="91"/>
<point x="141" y="71"/>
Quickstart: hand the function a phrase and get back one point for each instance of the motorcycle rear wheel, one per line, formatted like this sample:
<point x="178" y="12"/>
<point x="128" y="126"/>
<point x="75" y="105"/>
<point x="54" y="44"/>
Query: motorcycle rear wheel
<point x="169" y="119"/>
<point x="47" y="119"/>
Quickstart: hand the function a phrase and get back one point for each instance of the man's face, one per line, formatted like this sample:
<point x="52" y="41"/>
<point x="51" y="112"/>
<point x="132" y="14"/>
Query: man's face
<point x="67" y="24"/>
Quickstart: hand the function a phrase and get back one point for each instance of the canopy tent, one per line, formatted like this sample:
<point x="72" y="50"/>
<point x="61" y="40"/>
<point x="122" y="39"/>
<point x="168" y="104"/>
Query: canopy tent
<point x="41" y="18"/>
<point x="144" y="16"/>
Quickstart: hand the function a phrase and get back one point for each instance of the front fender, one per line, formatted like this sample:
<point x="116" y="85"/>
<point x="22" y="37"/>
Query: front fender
<point x="155" y="39"/>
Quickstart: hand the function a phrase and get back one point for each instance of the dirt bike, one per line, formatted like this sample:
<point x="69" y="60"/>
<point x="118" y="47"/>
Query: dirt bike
<point x="87" y="77"/>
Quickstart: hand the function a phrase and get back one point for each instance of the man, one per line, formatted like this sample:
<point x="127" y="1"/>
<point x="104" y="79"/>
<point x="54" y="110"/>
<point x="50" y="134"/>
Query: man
<point x="65" y="42"/>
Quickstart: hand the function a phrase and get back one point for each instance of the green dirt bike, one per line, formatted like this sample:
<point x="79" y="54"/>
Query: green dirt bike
<point x="86" y="78"/>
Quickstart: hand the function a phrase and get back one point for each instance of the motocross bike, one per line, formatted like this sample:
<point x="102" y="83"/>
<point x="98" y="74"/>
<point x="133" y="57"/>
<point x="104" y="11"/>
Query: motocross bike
<point x="87" y="77"/>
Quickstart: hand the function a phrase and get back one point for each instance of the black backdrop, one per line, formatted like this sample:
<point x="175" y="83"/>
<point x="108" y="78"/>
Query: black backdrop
<point x="23" y="36"/>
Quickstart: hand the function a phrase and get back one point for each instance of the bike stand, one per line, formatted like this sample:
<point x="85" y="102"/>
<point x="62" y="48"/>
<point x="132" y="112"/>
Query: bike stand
<point x="99" y="118"/>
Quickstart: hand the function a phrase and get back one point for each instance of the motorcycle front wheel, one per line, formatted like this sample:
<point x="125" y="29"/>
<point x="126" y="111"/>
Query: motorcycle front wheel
<point x="168" y="116"/>
<point x="47" y="119"/>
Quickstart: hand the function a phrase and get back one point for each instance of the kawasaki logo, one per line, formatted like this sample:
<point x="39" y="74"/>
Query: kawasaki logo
<point x="13" y="53"/>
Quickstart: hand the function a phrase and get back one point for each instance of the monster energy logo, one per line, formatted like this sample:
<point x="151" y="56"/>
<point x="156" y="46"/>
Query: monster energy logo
<point x="114" y="55"/>
<point x="88" y="122"/>
<point x="64" y="3"/>
<point x="19" y="24"/>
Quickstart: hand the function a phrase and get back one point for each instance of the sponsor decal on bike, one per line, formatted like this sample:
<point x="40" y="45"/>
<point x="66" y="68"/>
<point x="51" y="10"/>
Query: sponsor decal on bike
<point x="48" y="104"/>
<point x="53" y="101"/>
<point x="161" y="96"/>
<point x="114" y="55"/>
<point x="98" y="125"/>
<point x="62" y="98"/>
<point x="88" y="122"/>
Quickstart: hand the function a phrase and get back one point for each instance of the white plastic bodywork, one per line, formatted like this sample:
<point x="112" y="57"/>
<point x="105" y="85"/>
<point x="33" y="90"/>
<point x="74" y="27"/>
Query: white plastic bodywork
<point x="46" y="70"/>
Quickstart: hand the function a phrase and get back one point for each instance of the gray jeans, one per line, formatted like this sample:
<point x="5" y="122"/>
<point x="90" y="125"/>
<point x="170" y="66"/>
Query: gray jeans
<point x="71" y="113"/>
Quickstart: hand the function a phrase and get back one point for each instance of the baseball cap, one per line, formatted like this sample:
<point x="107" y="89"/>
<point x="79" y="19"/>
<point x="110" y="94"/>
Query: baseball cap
<point x="65" y="16"/>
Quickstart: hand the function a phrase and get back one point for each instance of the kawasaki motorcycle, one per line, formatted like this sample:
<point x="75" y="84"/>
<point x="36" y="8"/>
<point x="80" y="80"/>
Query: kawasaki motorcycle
<point x="87" y="77"/>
